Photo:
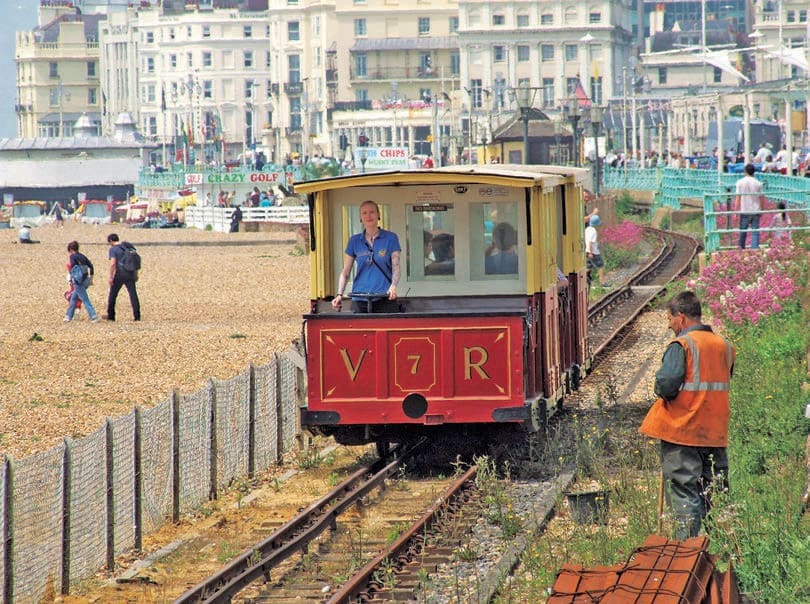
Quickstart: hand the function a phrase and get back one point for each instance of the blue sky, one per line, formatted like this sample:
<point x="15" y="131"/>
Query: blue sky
<point x="17" y="15"/>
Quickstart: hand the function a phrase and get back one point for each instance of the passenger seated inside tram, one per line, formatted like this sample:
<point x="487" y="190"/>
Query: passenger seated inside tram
<point x="444" y="255"/>
<point x="501" y="256"/>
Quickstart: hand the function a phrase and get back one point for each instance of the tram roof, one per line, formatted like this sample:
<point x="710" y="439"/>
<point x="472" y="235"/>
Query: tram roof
<point x="515" y="175"/>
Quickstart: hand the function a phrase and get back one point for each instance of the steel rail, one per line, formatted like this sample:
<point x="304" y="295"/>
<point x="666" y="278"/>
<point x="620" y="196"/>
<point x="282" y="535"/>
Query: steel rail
<point x="292" y="536"/>
<point x="361" y="582"/>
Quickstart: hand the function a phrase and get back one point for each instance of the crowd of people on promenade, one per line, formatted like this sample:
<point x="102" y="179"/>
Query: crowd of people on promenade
<point x="764" y="159"/>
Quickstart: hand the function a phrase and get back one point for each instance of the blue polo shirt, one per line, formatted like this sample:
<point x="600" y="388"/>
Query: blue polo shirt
<point x="368" y="278"/>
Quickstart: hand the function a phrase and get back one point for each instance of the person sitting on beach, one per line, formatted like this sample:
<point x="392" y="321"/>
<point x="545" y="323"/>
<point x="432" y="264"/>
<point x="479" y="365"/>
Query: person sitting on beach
<point x="24" y="235"/>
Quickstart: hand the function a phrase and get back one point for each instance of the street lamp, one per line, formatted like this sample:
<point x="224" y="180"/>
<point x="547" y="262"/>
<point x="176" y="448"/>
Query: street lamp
<point x="573" y="116"/>
<point x="458" y="141"/>
<point x="524" y="95"/>
<point x="596" y="123"/>
<point x="484" y="142"/>
<point x="557" y="135"/>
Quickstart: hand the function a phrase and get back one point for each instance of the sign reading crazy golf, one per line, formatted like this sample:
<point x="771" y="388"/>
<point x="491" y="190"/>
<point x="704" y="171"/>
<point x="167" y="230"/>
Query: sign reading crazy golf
<point x="215" y="178"/>
<point x="381" y="158"/>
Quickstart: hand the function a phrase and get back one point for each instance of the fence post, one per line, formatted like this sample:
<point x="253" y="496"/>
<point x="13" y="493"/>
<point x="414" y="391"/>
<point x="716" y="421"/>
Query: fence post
<point x="137" y="483"/>
<point x="212" y="401"/>
<point x="66" y="486"/>
<point x="251" y="421"/>
<point x="108" y="448"/>
<point x="279" y="413"/>
<point x="8" y="530"/>
<point x="175" y="410"/>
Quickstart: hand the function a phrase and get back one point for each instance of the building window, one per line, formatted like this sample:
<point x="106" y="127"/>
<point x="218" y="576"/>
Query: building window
<point x="295" y="113"/>
<point x="570" y="17"/>
<point x="718" y="75"/>
<point x="53" y="70"/>
<point x="455" y="63"/>
<point x="360" y="27"/>
<point x="91" y="69"/>
<point x="547" y="19"/>
<point x="571" y="85"/>
<point x="424" y="26"/>
<point x="523" y="20"/>
<point x="206" y="58"/>
<point x="548" y="92"/>
<point x="498" y="54"/>
<point x="522" y="53"/>
<point x="476" y="94"/>
<point x="150" y="93"/>
<point x="791" y="16"/>
<point x="662" y="75"/>
<point x="498" y="19"/>
<point x="595" y="17"/>
<point x="803" y="15"/>
<point x="294" y="69"/>
<point x="150" y="65"/>
<point x="248" y="58"/>
<point x="208" y="89"/>
<point x="151" y="125"/>
<point x="267" y="59"/>
<point x="206" y="31"/>
<point x="361" y="96"/>
<point x="360" y="65"/>
<point x="453" y="25"/>
<point x="150" y="37"/>
<point x="247" y="31"/>
<point x="293" y="31"/>
<point x="570" y="52"/>
<point x="188" y="31"/>
<point x="249" y="89"/>
<point x="547" y="52"/>
<point x="269" y="85"/>
<point x="92" y="96"/>
<point x="173" y="61"/>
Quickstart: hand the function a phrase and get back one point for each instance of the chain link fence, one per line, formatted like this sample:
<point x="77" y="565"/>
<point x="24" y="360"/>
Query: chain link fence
<point x="69" y="511"/>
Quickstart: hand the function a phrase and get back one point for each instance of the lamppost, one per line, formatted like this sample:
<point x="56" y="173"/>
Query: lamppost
<point x="596" y="122"/>
<point x="524" y="96"/>
<point x="557" y="136"/>
<point x="484" y="141"/>
<point x="458" y="141"/>
<point x="573" y="116"/>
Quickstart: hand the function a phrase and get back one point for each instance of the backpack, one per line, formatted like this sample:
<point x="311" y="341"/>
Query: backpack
<point x="131" y="260"/>
<point x="79" y="274"/>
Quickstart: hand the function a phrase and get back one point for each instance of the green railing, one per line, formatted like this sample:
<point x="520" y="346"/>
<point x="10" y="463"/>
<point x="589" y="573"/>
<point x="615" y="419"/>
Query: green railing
<point x="716" y="192"/>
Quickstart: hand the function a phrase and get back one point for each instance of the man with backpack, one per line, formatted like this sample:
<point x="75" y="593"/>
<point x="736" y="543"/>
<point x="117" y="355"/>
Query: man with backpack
<point x="125" y="262"/>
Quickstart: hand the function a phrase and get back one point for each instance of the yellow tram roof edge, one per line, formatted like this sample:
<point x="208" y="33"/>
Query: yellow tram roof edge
<point x="493" y="174"/>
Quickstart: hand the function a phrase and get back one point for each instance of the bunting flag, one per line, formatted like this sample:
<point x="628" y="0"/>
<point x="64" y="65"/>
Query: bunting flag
<point x="791" y="56"/>
<point x="721" y="60"/>
<point x="581" y="95"/>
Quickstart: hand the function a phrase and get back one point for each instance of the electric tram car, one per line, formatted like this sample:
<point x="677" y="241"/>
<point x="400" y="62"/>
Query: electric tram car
<point x="471" y="347"/>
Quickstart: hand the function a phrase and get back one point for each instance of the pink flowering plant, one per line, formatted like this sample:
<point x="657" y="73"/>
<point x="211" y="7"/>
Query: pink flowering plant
<point x="741" y="287"/>
<point x="621" y="245"/>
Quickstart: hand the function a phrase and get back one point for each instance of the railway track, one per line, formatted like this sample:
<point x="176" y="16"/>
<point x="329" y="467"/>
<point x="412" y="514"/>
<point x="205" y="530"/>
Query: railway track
<point x="398" y="570"/>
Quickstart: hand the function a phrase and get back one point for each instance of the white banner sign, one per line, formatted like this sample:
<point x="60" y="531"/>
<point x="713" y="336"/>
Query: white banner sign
<point x="372" y="159"/>
<point x="194" y="178"/>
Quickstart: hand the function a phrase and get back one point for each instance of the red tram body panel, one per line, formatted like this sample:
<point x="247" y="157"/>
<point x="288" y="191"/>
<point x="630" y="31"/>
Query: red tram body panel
<point x="427" y="371"/>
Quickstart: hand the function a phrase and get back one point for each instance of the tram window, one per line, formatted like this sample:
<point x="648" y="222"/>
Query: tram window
<point x="494" y="241"/>
<point x="353" y="225"/>
<point x="431" y="242"/>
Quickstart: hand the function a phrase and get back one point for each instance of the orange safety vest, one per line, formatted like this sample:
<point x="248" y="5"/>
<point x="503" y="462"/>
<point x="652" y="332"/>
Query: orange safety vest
<point x="698" y="416"/>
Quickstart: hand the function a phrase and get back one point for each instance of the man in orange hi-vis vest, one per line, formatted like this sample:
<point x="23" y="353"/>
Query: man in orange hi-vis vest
<point x="691" y="414"/>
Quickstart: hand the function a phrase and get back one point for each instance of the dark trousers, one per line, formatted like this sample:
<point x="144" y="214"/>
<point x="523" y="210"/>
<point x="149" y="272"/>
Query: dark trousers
<point x="117" y="284"/>
<point x="690" y="476"/>
<point x="749" y="220"/>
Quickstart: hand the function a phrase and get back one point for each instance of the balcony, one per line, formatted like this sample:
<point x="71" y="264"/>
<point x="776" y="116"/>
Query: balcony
<point x="293" y="88"/>
<point x="400" y="73"/>
<point x="332" y="78"/>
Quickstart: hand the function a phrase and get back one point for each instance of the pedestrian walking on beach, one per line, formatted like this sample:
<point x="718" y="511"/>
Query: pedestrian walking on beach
<point x="690" y="417"/>
<point x="120" y="277"/>
<point x="749" y="200"/>
<point x="81" y="273"/>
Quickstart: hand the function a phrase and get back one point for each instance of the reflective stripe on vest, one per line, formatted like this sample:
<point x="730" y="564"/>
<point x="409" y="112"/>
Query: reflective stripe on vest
<point x="696" y="385"/>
